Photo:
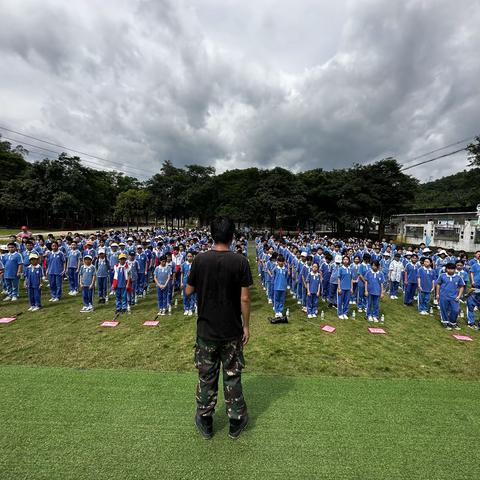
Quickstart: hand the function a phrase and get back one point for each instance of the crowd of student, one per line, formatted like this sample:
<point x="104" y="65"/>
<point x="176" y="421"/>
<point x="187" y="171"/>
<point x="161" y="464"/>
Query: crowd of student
<point x="356" y="272"/>
<point x="114" y="263"/>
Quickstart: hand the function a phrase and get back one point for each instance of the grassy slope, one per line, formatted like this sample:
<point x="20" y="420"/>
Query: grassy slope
<point x="415" y="347"/>
<point x="104" y="424"/>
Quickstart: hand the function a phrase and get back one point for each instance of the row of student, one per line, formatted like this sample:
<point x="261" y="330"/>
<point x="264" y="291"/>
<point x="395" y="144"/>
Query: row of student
<point x="346" y="281"/>
<point x="127" y="276"/>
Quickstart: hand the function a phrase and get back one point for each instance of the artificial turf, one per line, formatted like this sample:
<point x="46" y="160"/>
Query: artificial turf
<point x="115" y="424"/>
<point x="84" y="402"/>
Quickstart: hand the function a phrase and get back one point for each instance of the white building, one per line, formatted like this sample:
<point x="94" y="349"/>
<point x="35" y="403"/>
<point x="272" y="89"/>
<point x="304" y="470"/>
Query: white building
<point x="457" y="230"/>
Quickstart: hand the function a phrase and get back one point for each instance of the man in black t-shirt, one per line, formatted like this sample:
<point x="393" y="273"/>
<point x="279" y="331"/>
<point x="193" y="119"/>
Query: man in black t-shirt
<point x="221" y="280"/>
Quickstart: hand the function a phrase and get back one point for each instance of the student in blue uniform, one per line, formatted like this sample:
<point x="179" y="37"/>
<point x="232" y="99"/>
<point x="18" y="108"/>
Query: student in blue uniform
<point x="272" y="263"/>
<point x="33" y="282"/>
<point x="303" y="278"/>
<point x="132" y="297"/>
<point x="188" y="300"/>
<point x="74" y="256"/>
<point x="142" y="261"/>
<point x="362" y="272"/>
<point x="449" y="290"/>
<point x="473" y="304"/>
<point x="355" y="276"/>
<point x="325" y="272"/>
<point x="410" y="280"/>
<point x="112" y="258"/>
<point x="426" y="285"/>
<point x="333" y="284"/>
<point x="345" y="288"/>
<point x="56" y="266"/>
<point x="121" y="282"/>
<point x="279" y="286"/>
<point x="374" y="291"/>
<point x="86" y="280"/>
<point x="162" y="276"/>
<point x="314" y="283"/>
<point x="460" y="270"/>
<point x="13" y="267"/>
<point x="102" y="267"/>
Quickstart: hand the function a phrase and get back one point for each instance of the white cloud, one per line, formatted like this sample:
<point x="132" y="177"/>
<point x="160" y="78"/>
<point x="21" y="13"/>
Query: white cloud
<point x="300" y="84"/>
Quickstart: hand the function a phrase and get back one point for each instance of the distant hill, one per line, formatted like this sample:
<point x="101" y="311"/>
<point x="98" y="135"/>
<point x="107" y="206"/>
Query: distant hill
<point x="461" y="190"/>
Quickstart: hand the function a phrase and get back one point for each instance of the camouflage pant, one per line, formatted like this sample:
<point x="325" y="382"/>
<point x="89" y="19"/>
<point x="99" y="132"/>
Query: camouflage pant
<point x="208" y="356"/>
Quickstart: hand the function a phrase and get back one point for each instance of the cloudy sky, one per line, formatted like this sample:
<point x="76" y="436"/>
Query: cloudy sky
<point x="296" y="83"/>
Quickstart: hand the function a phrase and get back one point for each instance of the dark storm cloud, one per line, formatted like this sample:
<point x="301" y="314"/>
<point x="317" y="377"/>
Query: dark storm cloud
<point x="143" y="81"/>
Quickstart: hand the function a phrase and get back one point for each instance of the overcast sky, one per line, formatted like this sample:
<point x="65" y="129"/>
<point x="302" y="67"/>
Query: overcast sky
<point x="296" y="83"/>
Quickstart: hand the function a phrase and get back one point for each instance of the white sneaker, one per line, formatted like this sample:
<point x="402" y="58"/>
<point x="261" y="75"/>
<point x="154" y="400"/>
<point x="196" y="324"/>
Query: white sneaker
<point x="55" y="300"/>
<point x="185" y="313"/>
<point x="84" y="309"/>
<point x="360" y="310"/>
<point x="370" y="319"/>
<point x="392" y="297"/>
<point x="345" y="317"/>
<point x="309" y="316"/>
<point x="50" y="299"/>
<point x="190" y="313"/>
<point x="30" y="309"/>
<point x="269" y="301"/>
<point x="6" y="299"/>
<point x="106" y="299"/>
<point x="35" y="309"/>
<point x="129" y="309"/>
<point x="375" y="320"/>
<point x="14" y="299"/>
<point x="144" y="295"/>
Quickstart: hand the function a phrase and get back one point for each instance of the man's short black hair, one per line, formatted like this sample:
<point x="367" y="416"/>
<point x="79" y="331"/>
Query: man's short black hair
<point x="222" y="230"/>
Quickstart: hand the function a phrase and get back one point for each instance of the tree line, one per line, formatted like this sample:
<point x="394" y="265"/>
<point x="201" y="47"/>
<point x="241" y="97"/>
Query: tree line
<point x="64" y="193"/>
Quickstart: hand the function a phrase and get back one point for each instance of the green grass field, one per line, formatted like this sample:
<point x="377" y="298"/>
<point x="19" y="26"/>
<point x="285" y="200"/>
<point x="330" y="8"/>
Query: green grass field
<point x="81" y="401"/>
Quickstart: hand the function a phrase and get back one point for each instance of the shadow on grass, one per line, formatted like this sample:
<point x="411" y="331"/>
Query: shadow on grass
<point x="261" y="392"/>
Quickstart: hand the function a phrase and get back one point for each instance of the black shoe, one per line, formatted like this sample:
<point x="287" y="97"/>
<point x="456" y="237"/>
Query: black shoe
<point x="237" y="427"/>
<point x="204" y="426"/>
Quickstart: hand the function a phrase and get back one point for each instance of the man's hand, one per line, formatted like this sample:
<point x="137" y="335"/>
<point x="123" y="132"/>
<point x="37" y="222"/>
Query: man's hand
<point x="246" y="335"/>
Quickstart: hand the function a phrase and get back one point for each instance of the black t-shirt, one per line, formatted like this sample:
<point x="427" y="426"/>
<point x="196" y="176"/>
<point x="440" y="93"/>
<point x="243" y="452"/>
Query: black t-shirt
<point x="218" y="277"/>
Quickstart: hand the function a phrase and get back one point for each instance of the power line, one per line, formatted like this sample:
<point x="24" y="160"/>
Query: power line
<point x="69" y="149"/>
<point x="433" y="159"/>
<point x="441" y="148"/>
<point x="91" y="162"/>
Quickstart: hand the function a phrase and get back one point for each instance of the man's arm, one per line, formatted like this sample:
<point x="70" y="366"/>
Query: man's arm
<point x="245" y="306"/>
<point x="189" y="289"/>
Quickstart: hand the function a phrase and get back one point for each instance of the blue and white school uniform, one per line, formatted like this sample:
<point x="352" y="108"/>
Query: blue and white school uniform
<point x="142" y="260"/>
<point x="375" y="282"/>
<point x="103" y="275"/>
<point x="313" y="281"/>
<point x="333" y="285"/>
<point x="11" y="262"/>
<point x="33" y="278"/>
<point x="345" y="284"/>
<point x="163" y="276"/>
<point x="355" y="274"/>
<point x="134" y="271"/>
<point x="279" y="288"/>
<point x="188" y="300"/>
<point x="55" y="270"/>
<point x="361" y="298"/>
<point x="473" y="301"/>
<point x="112" y="258"/>
<point x="449" y="306"/>
<point x="426" y="280"/>
<point x="121" y="275"/>
<point x="411" y="277"/>
<point x="73" y="267"/>
<point x="86" y="277"/>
